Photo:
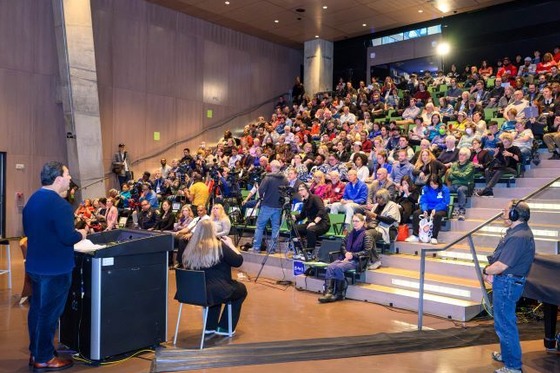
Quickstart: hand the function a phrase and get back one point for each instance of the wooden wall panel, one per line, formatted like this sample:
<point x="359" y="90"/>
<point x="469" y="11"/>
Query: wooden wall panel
<point x="17" y="25"/>
<point x="102" y="19"/>
<point x="177" y="67"/>
<point x="129" y="120"/>
<point x="128" y="54"/>
<point x="160" y="61"/>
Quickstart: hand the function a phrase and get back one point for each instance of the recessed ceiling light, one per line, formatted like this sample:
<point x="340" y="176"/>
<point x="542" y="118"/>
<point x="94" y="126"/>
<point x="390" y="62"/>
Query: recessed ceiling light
<point x="227" y="3"/>
<point x="364" y="25"/>
<point x="420" y="11"/>
<point x="276" y="21"/>
<point x="316" y="36"/>
<point x="325" y="7"/>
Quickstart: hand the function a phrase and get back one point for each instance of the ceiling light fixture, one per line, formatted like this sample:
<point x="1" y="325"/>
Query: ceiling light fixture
<point x="443" y="6"/>
<point x="325" y="7"/>
<point x="227" y="2"/>
<point x="420" y="11"/>
<point x="364" y="25"/>
<point x="276" y="21"/>
<point x="316" y="36"/>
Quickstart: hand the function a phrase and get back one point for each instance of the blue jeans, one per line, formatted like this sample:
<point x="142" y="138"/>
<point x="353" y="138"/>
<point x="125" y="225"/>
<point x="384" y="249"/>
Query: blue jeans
<point x="506" y="291"/>
<point x="462" y="192"/>
<point x="336" y="269"/>
<point x="46" y="307"/>
<point x="265" y="214"/>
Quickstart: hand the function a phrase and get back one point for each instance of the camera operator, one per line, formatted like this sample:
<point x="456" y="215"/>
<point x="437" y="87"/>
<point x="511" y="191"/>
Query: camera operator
<point x="314" y="211"/>
<point x="271" y="206"/>
<point x="229" y="185"/>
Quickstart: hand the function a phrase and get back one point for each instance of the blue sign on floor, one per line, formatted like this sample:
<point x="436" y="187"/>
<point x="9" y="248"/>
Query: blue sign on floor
<point x="299" y="268"/>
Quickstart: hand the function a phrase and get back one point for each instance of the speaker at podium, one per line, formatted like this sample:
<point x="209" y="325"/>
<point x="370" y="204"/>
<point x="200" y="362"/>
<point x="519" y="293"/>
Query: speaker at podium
<point x="118" y="297"/>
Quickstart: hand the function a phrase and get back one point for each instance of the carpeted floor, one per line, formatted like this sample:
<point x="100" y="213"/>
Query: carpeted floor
<point x="173" y="360"/>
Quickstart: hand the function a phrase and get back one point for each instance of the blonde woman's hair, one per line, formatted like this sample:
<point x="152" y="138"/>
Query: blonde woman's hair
<point x="320" y="175"/>
<point x="222" y="214"/>
<point x="419" y="162"/>
<point x="204" y="250"/>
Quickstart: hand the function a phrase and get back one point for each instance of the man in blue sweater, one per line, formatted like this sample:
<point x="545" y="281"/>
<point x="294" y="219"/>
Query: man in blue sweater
<point x="48" y="223"/>
<point x="355" y="194"/>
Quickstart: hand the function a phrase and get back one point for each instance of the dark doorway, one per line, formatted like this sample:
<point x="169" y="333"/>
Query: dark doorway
<point x="2" y="194"/>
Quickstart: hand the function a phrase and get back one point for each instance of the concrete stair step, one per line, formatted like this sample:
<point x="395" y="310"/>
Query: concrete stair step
<point x="454" y="287"/>
<point x="455" y="309"/>
<point x="537" y="216"/>
<point x="533" y="182"/>
<point x="499" y="203"/>
<point x="437" y="266"/>
<point x="543" y="171"/>
<point x="548" y="163"/>
<point x="519" y="192"/>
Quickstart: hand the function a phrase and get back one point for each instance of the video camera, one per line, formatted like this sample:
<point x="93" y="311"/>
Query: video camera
<point x="286" y="195"/>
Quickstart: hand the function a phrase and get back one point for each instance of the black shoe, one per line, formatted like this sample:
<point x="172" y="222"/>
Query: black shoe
<point x="554" y="156"/>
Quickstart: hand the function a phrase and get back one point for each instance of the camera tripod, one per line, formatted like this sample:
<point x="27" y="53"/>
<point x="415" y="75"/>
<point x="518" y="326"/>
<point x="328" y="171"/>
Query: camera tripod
<point x="288" y="218"/>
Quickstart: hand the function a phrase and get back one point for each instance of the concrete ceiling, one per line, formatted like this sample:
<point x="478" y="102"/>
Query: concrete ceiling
<point x="283" y="22"/>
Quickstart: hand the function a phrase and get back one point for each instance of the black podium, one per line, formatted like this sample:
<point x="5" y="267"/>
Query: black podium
<point x="118" y="298"/>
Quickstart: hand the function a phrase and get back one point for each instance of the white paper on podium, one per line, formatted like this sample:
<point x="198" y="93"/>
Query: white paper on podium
<point x="86" y="246"/>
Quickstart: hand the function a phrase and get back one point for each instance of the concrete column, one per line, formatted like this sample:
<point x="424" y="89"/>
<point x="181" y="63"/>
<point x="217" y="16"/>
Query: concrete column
<point x="318" y="66"/>
<point x="78" y="91"/>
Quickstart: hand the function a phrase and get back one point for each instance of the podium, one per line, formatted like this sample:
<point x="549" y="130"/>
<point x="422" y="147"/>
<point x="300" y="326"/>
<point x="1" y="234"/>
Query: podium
<point x="118" y="297"/>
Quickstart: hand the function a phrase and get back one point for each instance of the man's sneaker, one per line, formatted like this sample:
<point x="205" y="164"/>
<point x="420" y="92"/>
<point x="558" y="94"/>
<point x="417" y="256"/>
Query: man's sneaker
<point x="554" y="156"/>
<point x="497" y="356"/>
<point x="375" y="265"/>
<point x="433" y="241"/>
<point x="461" y="217"/>
<point x="222" y="331"/>
<point x="256" y="250"/>
<point x="209" y="331"/>
<point x="508" y="370"/>
<point x="412" y="238"/>
<point x="455" y="213"/>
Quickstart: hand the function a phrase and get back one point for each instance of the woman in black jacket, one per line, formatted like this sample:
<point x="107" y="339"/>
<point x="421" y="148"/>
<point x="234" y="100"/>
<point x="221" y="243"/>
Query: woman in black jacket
<point x="216" y="257"/>
<point x="166" y="217"/>
<point x="407" y="198"/>
<point x="427" y="165"/>
<point x="355" y="245"/>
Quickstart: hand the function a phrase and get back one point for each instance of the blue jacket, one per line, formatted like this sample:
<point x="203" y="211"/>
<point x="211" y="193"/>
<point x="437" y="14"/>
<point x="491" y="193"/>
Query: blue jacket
<point x="356" y="192"/>
<point x="434" y="199"/>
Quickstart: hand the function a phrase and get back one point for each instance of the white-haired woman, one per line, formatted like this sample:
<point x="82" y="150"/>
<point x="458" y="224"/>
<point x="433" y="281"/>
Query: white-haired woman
<point x="216" y="257"/>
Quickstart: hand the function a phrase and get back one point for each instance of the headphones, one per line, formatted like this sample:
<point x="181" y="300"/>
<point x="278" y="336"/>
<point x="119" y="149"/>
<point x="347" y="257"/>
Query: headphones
<point x="513" y="212"/>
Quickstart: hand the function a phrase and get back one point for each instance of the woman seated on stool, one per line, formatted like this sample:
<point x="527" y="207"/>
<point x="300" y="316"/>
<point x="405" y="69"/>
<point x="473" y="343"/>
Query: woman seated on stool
<point x="355" y="245"/>
<point x="433" y="202"/>
<point x="216" y="257"/>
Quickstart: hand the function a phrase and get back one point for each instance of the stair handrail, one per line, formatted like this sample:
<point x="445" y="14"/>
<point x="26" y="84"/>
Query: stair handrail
<point x="468" y="236"/>
<point x="211" y="127"/>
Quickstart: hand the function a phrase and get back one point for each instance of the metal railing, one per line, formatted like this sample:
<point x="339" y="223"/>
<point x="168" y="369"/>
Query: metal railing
<point x="467" y="236"/>
<point x="209" y="128"/>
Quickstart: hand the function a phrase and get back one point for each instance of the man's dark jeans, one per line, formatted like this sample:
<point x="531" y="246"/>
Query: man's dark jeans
<point x="47" y="304"/>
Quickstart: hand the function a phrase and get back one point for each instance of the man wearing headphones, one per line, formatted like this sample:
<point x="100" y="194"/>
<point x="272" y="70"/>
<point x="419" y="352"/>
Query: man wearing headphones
<point x="509" y="265"/>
